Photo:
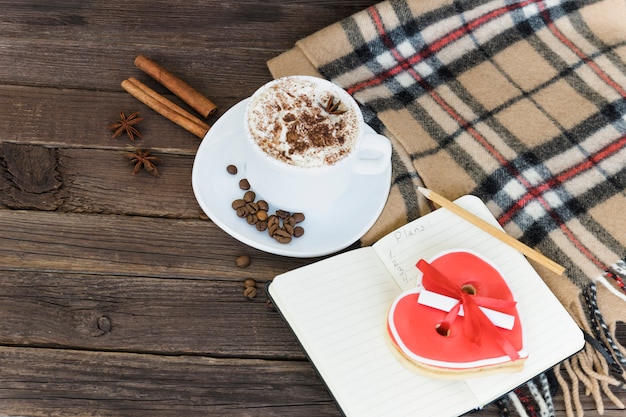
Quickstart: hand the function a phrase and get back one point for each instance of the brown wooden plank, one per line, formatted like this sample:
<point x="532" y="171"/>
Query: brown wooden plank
<point x="141" y="314"/>
<point x="52" y="382"/>
<point x="55" y="382"/>
<point x="128" y="245"/>
<point x="60" y="66"/>
<point x="92" y="45"/>
<point x="80" y="118"/>
<point x="96" y="180"/>
<point x="101" y="181"/>
<point x="245" y="23"/>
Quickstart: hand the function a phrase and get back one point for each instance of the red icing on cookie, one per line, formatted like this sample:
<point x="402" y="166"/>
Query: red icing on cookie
<point x="472" y="341"/>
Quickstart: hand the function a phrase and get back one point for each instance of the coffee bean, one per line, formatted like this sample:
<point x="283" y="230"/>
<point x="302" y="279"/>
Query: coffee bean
<point x="298" y="231"/>
<point x="282" y="214"/>
<point x="252" y="207"/>
<point x="261" y="225"/>
<point x="244" y="184"/>
<point x="242" y="261"/>
<point x="238" y="203"/>
<point x="249" y="293"/>
<point x="282" y="236"/>
<point x="298" y="217"/>
<point x="232" y="170"/>
<point x="242" y="212"/>
<point x="272" y="224"/>
<point x="249" y="196"/>
<point x="251" y="218"/>
<point x="263" y="205"/>
<point x="261" y="214"/>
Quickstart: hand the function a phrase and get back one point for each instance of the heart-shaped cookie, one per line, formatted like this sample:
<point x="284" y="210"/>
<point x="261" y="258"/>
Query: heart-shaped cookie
<point x="458" y="339"/>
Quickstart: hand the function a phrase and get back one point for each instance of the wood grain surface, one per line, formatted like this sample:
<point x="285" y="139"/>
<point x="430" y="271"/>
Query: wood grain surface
<point x="117" y="296"/>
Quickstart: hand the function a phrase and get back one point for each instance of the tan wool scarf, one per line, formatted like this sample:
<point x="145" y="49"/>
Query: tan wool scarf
<point x="523" y="104"/>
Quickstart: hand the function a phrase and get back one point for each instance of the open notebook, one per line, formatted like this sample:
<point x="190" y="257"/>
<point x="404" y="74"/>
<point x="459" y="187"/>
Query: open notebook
<point x="337" y="308"/>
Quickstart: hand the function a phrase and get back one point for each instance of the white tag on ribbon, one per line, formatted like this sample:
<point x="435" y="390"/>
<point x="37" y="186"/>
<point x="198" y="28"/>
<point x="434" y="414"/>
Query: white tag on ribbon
<point x="445" y="303"/>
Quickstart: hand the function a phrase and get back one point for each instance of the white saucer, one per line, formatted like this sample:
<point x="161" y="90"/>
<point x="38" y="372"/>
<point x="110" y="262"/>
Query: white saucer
<point x="326" y="232"/>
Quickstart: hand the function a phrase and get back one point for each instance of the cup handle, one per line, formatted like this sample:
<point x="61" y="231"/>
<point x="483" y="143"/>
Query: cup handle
<point x="374" y="155"/>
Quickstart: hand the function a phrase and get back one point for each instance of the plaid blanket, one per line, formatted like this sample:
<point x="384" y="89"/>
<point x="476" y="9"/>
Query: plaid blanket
<point x="521" y="103"/>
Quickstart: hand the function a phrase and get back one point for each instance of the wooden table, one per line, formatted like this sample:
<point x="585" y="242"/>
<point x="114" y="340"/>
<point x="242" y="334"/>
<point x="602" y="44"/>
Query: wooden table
<point x="117" y="298"/>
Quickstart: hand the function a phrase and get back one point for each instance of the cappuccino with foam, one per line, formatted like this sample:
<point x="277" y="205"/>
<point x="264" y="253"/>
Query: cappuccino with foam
<point x="301" y="122"/>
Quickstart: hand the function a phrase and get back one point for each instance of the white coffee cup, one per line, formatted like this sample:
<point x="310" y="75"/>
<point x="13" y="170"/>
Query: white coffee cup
<point x="305" y="177"/>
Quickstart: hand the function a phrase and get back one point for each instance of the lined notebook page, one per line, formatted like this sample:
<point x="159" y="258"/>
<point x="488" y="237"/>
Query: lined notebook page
<point x="337" y="309"/>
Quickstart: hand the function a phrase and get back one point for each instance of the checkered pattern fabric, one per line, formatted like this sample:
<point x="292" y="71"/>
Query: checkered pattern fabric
<point x="521" y="103"/>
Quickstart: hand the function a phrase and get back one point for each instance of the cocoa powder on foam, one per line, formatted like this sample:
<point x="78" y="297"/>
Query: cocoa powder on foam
<point x="290" y="124"/>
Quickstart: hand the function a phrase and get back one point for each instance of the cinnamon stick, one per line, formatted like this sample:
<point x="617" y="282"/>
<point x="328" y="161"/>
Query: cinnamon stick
<point x="165" y="107"/>
<point x="188" y="94"/>
<point x="168" y="103"/>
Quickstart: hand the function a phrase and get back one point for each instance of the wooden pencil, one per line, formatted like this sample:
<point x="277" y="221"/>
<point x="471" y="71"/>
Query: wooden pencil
<point x="492" y="230"/>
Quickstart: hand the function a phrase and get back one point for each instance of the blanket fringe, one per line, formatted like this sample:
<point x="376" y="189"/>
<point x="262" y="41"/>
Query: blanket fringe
<point x="597" y="368"/>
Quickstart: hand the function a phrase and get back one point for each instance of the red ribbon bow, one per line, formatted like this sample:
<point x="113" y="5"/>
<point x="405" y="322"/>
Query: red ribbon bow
<point x="476" y="325"/>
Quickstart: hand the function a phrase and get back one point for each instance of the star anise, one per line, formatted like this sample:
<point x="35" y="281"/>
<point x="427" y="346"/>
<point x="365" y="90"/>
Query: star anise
<point x="332" y="107"/>
<point x="143" y="159"/>
<point x="127" y="124"/>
